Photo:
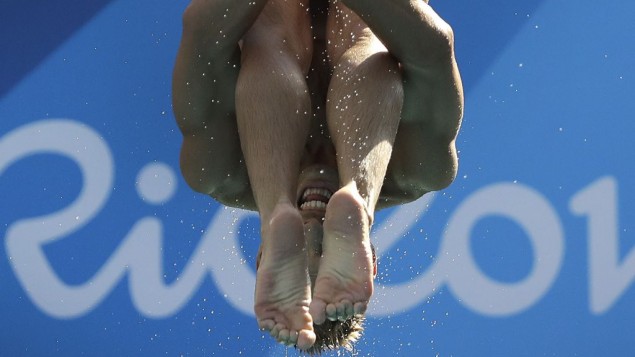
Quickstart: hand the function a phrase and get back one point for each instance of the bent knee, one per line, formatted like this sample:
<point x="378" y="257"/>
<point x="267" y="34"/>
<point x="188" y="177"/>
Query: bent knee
<point x="234" y="192"/>
<point x="438" y="180"/>
<point x="433" y="171"/>
<point x="442" y="167"/>
<point x="441" y="174"/>
<point x="199" y="169"/>
<point x="196" y="179"/>
<point x="430" y="181"/>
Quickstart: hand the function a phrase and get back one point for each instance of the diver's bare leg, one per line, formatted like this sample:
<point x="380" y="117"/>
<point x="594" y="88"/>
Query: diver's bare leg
<point x="203" y="88"/>
<point x="363" y="112"/>
<point x="423" y="43"/>
<point x="430" y="74"/>
<point x="273" y="111"/>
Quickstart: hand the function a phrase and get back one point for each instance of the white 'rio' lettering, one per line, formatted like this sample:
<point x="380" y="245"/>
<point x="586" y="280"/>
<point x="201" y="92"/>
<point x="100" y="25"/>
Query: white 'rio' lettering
<point x="219" y="254"/>
<point x="608" y="278"/>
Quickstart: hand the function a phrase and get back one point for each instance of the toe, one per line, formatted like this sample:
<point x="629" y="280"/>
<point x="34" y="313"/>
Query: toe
<point x="331" y="312"/>
<point x="344" y="310"/>
<point x="360" y="308"/>
<point x="348" y="309"/>
<point x="341" y="310"/>
<point x="266" y="325"/>
<point x="275" y="331"/>
<point x="306" y="339"/>
<point x="283" y="336"/>
<point x="317" y="311"/>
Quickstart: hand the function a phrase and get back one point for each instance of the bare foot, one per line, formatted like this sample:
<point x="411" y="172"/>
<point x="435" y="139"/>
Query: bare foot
<point x="282" y="285"/>
<point x="344" y="283"/>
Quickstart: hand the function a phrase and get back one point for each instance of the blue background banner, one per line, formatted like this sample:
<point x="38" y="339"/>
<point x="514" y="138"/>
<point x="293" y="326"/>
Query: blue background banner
<point x="106" y="251"/>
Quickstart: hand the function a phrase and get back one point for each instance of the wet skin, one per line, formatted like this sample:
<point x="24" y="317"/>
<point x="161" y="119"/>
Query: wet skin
<point x="336" y="232"/>
<point x="316" y="261"/>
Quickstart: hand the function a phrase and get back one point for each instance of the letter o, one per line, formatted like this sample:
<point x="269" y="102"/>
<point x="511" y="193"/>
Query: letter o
<point x="535" y="215"/>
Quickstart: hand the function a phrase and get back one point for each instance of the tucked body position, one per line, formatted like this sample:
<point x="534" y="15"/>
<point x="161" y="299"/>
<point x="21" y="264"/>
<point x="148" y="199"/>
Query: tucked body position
<point x="316" y="113"/>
